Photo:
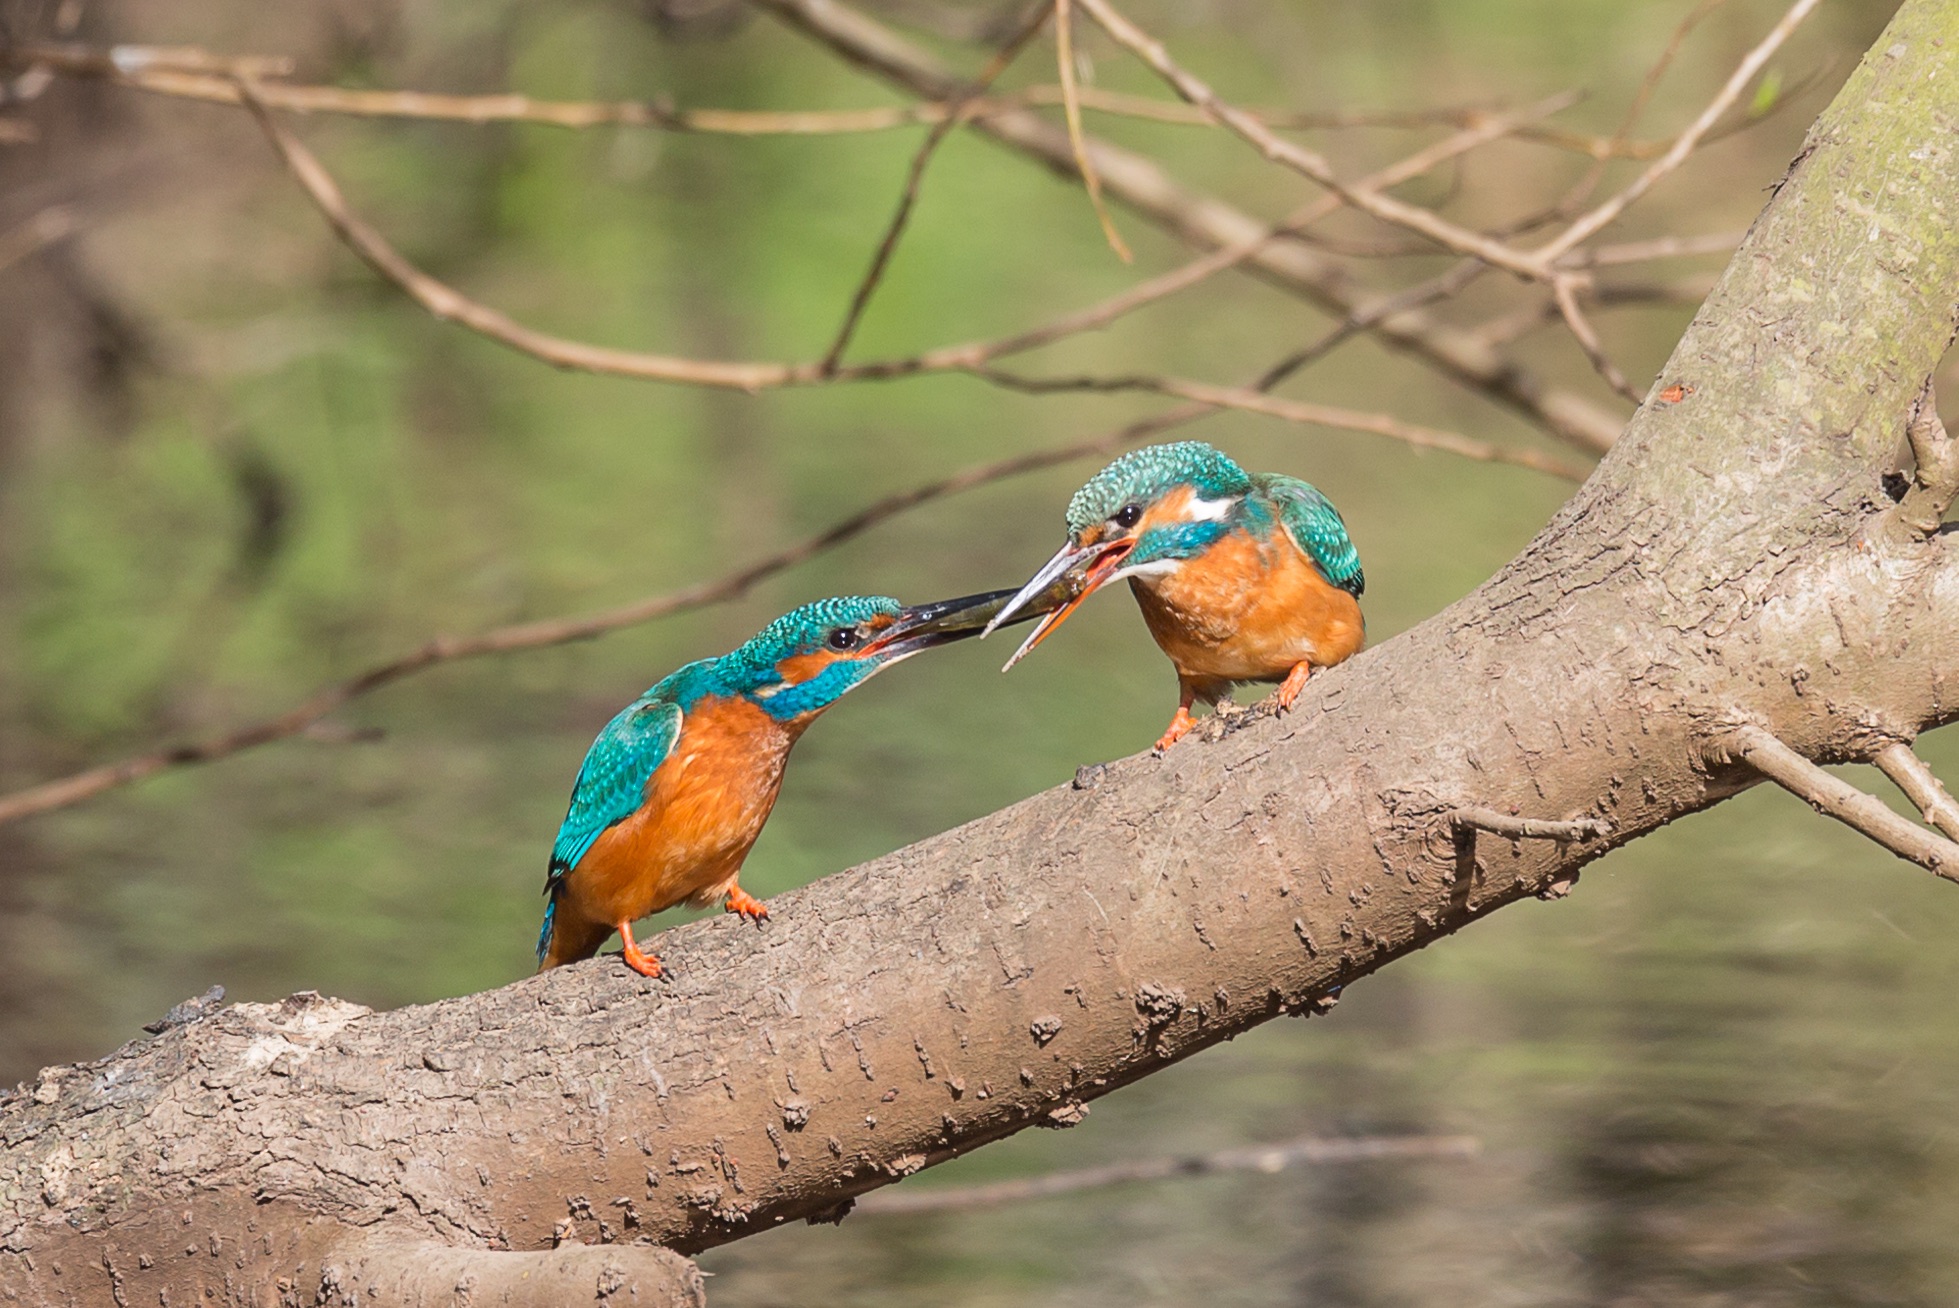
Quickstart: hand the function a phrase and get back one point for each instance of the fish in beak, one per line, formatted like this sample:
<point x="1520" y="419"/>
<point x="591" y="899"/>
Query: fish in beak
<point x="1058" y="589"/>
<point x="923" y="626"/>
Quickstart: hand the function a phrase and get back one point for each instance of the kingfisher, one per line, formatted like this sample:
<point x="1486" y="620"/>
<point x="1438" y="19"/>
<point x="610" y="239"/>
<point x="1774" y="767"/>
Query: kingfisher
<point x="1241" y="576"/>
<point x="675" y="789"/>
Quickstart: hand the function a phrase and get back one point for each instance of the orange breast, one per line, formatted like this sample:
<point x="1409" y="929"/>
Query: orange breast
<point x="705" y="806"/>
<point x="1247" y="610"/>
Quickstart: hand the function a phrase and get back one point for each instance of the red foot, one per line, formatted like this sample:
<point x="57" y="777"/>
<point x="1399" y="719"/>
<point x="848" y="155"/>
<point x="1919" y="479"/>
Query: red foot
<point x="1179" y="728"/>
<point x="643" y="963"/>
<point x="1295" y="682"/>
<point x="740" y="901"/>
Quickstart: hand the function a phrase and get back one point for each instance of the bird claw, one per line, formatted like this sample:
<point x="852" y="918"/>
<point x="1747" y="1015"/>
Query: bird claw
<point x="740" y="901"/>
<point x="637" y="959"/>
<point x="1179" y="728"/>
<point x="1290" y="689"/>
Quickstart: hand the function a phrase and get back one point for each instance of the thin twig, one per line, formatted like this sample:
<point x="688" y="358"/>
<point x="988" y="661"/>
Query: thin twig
<point x="1318" y="415"/>
<point x="1683" y="145"/>
<point x="1424" y="222"/>
<point x="1921" y="786"/>
<point x="1566" y="298"/>
<point x="446" y="303"/>
<point x="1523" y="828"/>
<point x="1257" y="1158"/>
<point x="1834" y="797"/>
<point x="1097" y="316"/>
<point x="1648" y="84"/>
<point x="148" y="69"/>
<point x="914" y="177"/>
<point x="1206" y="221"/>
<point x="1071" y="107"/>
<point x="1663" y="247"/>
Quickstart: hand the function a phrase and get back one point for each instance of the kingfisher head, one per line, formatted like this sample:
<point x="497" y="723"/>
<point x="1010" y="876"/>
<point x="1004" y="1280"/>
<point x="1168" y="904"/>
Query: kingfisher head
<point x="1142" y="516"/>
<point x="809" y="658"/>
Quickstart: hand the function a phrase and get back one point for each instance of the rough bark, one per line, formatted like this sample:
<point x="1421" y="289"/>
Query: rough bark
<point x="1720" y="569"/>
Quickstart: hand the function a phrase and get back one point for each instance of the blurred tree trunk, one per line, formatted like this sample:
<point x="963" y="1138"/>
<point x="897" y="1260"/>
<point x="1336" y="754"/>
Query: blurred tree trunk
<point x="1733" y="576"/>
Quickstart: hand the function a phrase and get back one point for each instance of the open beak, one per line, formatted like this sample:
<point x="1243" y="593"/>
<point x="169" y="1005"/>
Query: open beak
<point x="1071" y="576"/>
<point x="922" y="626"/>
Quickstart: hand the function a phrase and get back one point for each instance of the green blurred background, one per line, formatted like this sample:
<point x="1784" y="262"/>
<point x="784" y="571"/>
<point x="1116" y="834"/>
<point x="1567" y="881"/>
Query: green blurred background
<point x="234" y="465"/>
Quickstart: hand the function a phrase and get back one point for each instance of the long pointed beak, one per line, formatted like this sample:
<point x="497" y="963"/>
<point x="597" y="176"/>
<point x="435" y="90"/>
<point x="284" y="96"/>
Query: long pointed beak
<point x="922" y="626"/>
<point x="1080" y="572"/>
<point x="1068" y="560"/>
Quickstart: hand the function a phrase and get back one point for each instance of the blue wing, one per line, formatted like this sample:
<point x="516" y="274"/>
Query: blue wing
<point x="612" y="783"/>
<point x="1316" y="527"/>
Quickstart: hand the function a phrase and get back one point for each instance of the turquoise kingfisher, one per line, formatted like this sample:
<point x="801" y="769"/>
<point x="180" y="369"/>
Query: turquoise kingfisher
<point x="674" y="791"/>
<point x="1241" y="576"/>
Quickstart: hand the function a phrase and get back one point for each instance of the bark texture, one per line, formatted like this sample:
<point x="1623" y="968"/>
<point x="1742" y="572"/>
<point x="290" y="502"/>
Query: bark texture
<point x="1720" y="569"/>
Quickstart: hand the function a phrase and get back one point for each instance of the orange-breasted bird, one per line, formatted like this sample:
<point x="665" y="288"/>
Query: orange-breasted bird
<point x="674" y="791"/>
<point x="1241" y="576"/>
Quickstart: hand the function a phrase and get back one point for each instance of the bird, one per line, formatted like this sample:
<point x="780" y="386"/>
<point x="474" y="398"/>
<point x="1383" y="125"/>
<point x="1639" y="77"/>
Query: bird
<point x="1241" y="576"/>
<point x="677" y="786"/>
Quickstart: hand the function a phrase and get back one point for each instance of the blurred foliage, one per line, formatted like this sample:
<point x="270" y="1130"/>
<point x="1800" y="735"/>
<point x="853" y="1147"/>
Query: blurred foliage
<point x="1711" y="1077"/>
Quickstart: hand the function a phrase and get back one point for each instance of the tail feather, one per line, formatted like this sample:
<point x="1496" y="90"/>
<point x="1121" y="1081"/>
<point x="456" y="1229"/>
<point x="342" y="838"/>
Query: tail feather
<point x="544" y="934"/>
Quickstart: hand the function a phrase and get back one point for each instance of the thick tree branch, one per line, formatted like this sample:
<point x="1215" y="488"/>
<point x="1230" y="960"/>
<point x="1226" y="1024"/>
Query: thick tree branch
<point x="1713" y="570"/>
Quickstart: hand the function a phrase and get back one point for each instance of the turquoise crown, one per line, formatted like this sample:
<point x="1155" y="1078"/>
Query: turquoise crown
<point x="1144" y="475"/>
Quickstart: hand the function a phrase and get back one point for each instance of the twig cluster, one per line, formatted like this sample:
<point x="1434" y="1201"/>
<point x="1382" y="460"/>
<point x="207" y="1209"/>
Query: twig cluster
<point x="1291" y="252"/>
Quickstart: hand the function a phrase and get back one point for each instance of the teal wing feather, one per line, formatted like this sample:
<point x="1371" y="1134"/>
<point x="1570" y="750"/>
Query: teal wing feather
<point x="610" y="787"/>
<point x="612" y="783"/>
<point x="1316" y="527"/>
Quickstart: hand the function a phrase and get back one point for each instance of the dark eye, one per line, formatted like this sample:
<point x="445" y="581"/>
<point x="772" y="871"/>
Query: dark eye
<point x="843" y="638"/>
<point x="1128" y="516"/>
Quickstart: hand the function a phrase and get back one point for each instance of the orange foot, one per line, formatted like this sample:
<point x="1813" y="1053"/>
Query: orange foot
<point x="1179" y="728"/>
<point x="740" y="901"/>
<point x="643" y="963"/>
<point x="1295" y="682"/>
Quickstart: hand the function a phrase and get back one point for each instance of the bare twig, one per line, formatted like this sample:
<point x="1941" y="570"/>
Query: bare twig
<point x="1564" y="294"/>
<point x="1064" y="52"/>
<point x="451" y="306"/>
<point x="1523" y="828"/>
<point x="1400" y="213"/>
<point x="1663" y="247"/>
<point x="1190" y="274"/>
<point x="149" y="69"/>
<point x="1256" y="1158"/>
<point x="1647" y="85"/>
<point x="914" y="177"/>
<point x="1206" y="221"/>
<point x="1921" y="786"/>
<point x="1683" y="145"/>
<point x="1318" y="415"/>
<point x="445" y="302"/>
<point x="1833" y="797"/>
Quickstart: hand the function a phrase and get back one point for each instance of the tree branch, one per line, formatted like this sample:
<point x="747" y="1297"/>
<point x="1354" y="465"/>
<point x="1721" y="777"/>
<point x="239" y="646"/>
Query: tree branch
<point x="1206" y="221"/>
<point x="1921" y="786"/>
<point x="1523" y="828"/>
<point x="1834" y="797"/>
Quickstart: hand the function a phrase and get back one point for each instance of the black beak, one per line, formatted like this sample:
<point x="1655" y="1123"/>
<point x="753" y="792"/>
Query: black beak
<point x="922" y="626"/>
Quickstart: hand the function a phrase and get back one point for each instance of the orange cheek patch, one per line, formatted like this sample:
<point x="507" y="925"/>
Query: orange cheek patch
<point x="1172" y="508"/>
<point x="798" y="668"/>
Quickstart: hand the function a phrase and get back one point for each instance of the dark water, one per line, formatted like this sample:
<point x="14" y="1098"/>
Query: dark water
<point x="1716" y="1075"/>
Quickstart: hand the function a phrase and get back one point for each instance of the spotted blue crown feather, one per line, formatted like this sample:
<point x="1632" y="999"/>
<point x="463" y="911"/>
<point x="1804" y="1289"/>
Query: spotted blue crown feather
<point x="612" y="782"/>
<point x="1141" y="476"/>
